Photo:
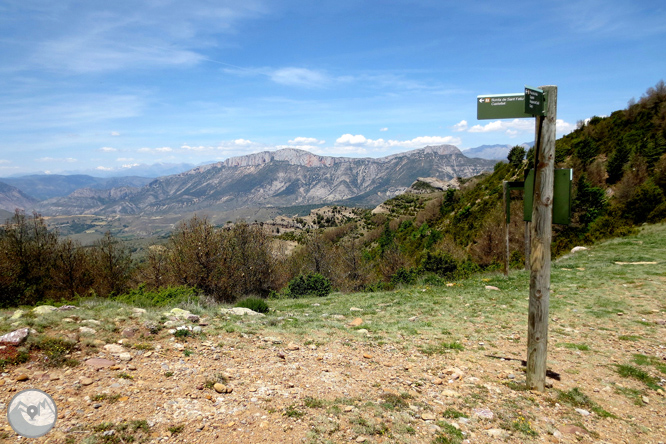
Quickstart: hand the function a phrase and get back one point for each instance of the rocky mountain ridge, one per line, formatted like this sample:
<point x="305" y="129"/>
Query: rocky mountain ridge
<point x="280" y="178"/>
<point x="11" y="198"/>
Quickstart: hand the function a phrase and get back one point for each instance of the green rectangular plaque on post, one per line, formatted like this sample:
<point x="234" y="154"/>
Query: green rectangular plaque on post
<point x="534" y="101"/>
<point x="561" y="196"/>
<point x="501" y="106"/>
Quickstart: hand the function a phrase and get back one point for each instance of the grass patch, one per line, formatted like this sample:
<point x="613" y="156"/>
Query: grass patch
<point x="313" y="403"/>
<point x="577" y="398"/>
<point x="175" y="430"/>
<point x="124" y="375"/>
<point x="629" y="371"/>
<point x="124" y="432"/>
<point x="572" y="346"/>
<point x="293" y="412"/>
<point x="448" y="435"/>
<point x="453" y="413"/>
<point x="105" y="397"/>
<point x="219" y="378"/>
<point x="392" y="401"/>
<point x="56" y="351"/>
<point x="440" y="349"/>
<point x="182" y="333"/>
<point x="517" y="386"/>
<point x="523" y="425"/>
<point x="650" y="360"/>
<point x="629" y="338"/>
<point x="635" y="395"/>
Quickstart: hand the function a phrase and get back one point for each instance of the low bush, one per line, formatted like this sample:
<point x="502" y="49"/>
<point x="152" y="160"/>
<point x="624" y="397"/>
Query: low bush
<point x="405" y="276"/>
<point x="254" y="304"/>
<point x="440" y="263"/>
<point x="309" y="285"/>
<point x="56" y="351"/>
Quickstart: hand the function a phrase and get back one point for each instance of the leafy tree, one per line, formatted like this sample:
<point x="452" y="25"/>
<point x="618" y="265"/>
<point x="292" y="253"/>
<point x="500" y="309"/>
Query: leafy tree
<point x="440" y="263"/>
<point x="616" y="163"/>
<point x="589" y="203"/>
<point x="516" y="155"/>
<point x="71" y="273"/>
<point x="27" y="250"/>
<point x="647" y="198"/>
<point x="112" y="266"/>
<point x="585" y="150"/>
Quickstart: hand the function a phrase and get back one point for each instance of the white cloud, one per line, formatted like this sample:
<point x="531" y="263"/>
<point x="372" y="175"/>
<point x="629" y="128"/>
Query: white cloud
<point x="130" y="165"/>
<point x="516" y="126"/>
<point x="460" y="126"/>
<point x="165" y="149"/>
<point x="383" y="129"/>
<point x="123" y="36"/>
<point x="348" y="139"/>
<point x="124" y="159"/>
<point x="304" y="141"/>
<point x="420" y="142"/>
<point x="196" y="148"/>
<point x="115" y="133"/>
<point x="359" y="140"/>
<point x="144" y="150"/>
<point x="107" y="149"/>
<point x="51" y="159"/>
<point x="300" y="77"/>
<point x="102" y="168"/>
<point x="504" y="125"/>
<point x="565" y="127"/>
<point x="3" y="161"/>
<point x="243" y="142"/>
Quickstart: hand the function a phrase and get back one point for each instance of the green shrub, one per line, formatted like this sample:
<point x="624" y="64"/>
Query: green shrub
<point x="404" y="276"/>
<point x="309" y="285"/>
<point x="440" y="263"/>
<point x="254" y="304"/>
<point x="56" y="351"/>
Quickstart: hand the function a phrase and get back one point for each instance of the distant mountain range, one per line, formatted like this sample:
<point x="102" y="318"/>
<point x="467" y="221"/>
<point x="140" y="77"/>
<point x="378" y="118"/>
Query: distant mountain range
<point x="493" y="152"/>
<point x="282" y="178"/>
<point x="47" y="186"/>
<point x="142" y="170"/>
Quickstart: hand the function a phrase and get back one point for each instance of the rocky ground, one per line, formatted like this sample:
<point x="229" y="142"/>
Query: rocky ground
<point x="188" y="383"/>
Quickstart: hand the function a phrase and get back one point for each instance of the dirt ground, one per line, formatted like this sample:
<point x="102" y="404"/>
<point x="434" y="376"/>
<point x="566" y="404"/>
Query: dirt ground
<point x="288" y="392"/>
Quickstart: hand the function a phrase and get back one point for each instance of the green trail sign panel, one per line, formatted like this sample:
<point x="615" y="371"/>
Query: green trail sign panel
<point x="501" y="106"/>
<point x="561" y="196"/>
<point x="534" y="101"/>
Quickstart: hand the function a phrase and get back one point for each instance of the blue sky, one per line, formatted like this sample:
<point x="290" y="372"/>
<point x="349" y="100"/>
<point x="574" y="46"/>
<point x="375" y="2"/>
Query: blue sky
<point x="99" y="85"/>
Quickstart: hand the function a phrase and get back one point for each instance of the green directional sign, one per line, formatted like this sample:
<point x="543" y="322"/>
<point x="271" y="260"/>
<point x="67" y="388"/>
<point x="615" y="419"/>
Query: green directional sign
<point x="561" y="196"/>
<point x="501" y="106"/>
<point x="534" y="101"/>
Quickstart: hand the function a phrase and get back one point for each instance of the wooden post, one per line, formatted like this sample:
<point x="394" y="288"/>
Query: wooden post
<point x="507" y="203"/>
<point x="541" y="236"/>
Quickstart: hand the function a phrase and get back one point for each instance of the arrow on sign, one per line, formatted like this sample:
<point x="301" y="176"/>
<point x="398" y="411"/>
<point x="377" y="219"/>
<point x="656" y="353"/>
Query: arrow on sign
<point x="480" y="100"/>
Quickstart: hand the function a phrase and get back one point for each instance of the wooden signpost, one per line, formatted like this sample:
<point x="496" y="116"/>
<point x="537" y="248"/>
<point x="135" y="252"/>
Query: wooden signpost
<point x="540" y="103"/>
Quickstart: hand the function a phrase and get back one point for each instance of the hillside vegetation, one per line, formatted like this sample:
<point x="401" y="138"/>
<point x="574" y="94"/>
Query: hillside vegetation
<point x="619" y="165"/>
